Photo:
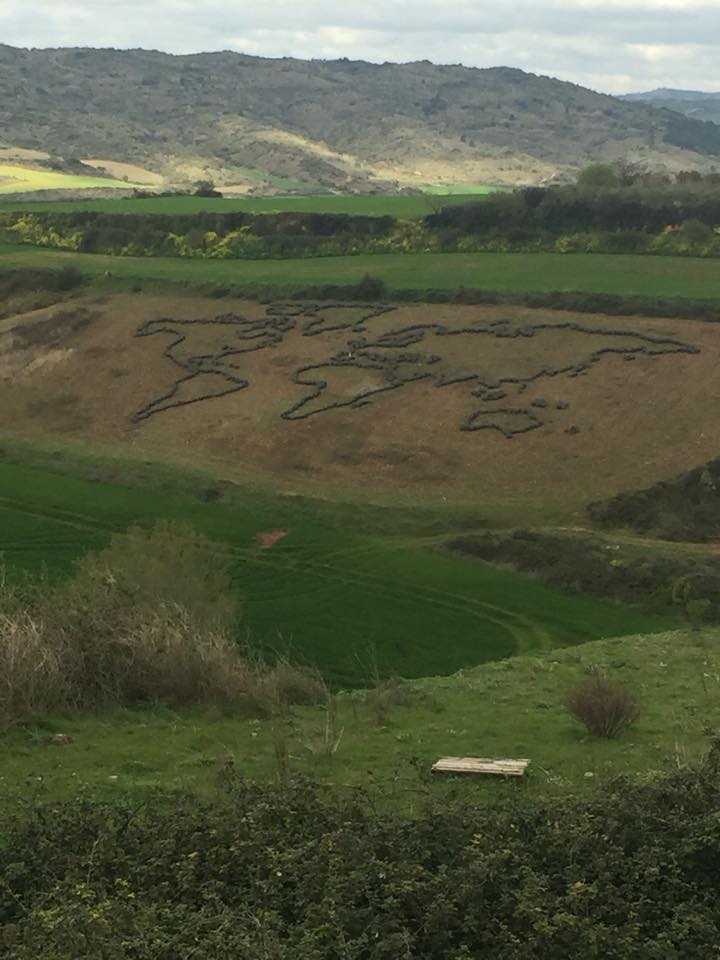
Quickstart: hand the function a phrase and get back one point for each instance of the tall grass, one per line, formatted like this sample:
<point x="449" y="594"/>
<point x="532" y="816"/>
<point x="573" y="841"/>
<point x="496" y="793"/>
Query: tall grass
<point x="150" y="618"/>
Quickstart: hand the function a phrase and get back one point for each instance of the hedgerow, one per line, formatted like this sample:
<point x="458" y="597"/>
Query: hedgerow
<point x="674" y="219"/>
<point x="298" y="872"/>
<point x="590" y="565"/>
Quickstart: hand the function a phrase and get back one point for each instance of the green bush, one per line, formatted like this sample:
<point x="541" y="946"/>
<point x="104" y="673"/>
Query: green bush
<point x="166" y="563"/>
<point x="591" y="565"/>
<point x="301" y="873"/>
<point x="686" y="507"/>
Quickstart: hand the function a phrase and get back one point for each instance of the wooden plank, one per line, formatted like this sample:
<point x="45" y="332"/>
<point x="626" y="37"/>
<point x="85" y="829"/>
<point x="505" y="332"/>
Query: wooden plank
<point x="482" y="765"/>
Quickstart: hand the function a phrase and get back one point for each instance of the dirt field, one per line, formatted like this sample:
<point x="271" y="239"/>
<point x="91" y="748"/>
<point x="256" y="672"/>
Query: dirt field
<point x="481" y="404"/>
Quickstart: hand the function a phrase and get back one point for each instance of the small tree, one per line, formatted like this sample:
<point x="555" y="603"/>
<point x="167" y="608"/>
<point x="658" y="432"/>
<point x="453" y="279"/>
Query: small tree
<point x="603" y="707"/>
<point x="696" y="610"/>
<point x="598" y="176"/>
<point x="205" y="188"/>
<point x="696" y="233"/>
<point x="166" y="563"/>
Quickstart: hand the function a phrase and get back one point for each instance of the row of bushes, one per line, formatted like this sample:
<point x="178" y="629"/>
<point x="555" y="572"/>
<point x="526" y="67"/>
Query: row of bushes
<point x="692" y="238"/>
<point x="575" y="209"/>
<point x="671" y="219"/>
<point x="30" y="280"/>
<point x="589" y="565"/>
<point x="372" y="289"/>
<point x="299" y="872"/>
<point x="31" y="289"/>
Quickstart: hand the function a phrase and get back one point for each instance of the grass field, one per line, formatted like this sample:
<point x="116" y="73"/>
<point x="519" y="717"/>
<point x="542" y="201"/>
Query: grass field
<point x="15" y="179"/>
<point x="417" y="205"/>
<point x="461" y="190"/>
<point x="508" y="709"/>
<point x="344" y="600"/>
<point x="521" y="272"/>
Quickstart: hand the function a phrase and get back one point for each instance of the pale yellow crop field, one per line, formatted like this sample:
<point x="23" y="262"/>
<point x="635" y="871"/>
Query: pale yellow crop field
<point x="16" y="179"/>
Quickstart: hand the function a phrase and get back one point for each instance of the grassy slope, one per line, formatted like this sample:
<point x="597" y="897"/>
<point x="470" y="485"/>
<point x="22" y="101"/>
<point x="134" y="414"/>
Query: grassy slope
<point x="338" y="597"/>
<point x="621" y="274"/>
<point x="370" y="206"/>
<point x="15" y="179"/>
<point x="511" y="708"/>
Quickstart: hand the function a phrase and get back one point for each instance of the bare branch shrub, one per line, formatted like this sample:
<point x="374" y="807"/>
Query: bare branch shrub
<point x="31" y="670"/>
<point x="294" y="685"/>
<point x="386" y="694"/>
<point x="604" y="707"/>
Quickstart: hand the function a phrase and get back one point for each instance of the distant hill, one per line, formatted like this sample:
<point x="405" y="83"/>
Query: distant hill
<point x="692" y="103"/>
<point x="292" y="124"/>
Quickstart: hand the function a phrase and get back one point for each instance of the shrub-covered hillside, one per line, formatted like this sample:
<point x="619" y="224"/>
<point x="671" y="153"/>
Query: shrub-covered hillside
<point x="342" y="124"/>
<point x="684" y="508"/>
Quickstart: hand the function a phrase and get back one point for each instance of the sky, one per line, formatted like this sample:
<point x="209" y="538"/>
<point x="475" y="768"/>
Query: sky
<point x="615" y="46"/>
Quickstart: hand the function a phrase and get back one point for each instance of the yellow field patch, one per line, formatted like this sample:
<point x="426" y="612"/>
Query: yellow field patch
<point x="17" y="179"/>
<point x="130" y="171"/>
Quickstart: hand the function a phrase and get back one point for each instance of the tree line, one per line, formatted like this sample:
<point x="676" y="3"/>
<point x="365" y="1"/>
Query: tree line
<point x="606" y="211"/>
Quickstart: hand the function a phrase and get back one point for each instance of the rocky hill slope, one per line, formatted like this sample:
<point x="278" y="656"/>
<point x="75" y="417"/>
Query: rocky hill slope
<point x="341" y="124"/>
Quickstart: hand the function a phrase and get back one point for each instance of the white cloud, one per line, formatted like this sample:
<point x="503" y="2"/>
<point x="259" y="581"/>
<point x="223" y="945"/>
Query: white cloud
<point x="611" y="45"/>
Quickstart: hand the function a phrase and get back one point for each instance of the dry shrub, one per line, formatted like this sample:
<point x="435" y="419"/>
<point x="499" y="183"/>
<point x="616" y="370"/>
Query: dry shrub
<point x="148" y="619"/>
<point x="164" y="655"/>
<point x="32" y="673"/>
<point x="140" y="657"/>
<point x="605" y="708"/>
<point x="288" y="683"/>
<point x="386" y="694"/>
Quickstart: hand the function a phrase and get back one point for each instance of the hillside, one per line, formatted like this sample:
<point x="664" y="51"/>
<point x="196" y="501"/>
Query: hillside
<point x="167" y="846"/>
<point x="291" y="124"/>
<point x="475" y="404"/>
<point x="692" y="103"/>
<point x="512" y="707"/>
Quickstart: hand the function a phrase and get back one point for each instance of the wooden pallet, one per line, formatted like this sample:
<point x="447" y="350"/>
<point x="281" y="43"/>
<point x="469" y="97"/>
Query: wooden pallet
<point x="503" y="768"/>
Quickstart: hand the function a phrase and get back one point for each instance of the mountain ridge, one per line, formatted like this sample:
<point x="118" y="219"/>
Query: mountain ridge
<point x="702" y="105"/>
<point x="338" y="124"/>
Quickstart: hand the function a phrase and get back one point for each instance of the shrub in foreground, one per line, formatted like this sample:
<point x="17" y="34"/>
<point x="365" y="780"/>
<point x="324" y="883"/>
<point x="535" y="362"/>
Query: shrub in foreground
<point x="604" y="708"/>
<point x="303" y="873"/>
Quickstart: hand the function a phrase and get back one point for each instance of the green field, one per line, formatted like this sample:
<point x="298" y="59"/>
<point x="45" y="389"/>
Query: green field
<point x="331" y="595"/>
<point x="418" y="205"/>
<point x="462" y="191"/>
<point x="14" y="179"/>
<point x="663" y="277"/>
<point x="513" y="708"/>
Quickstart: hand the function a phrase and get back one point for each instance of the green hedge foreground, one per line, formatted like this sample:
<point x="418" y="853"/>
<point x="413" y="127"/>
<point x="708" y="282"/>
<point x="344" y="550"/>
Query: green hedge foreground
<point x="295" y="872"/>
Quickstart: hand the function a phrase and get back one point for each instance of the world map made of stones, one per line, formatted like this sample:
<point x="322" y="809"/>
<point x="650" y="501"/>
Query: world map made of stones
<point x="502" y="361"/>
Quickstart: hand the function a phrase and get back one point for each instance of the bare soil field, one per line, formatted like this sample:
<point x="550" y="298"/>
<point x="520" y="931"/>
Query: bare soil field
<point x="468" y="403"/>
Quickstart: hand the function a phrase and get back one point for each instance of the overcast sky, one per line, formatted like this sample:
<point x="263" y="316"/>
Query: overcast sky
<point x="611" y="45"/>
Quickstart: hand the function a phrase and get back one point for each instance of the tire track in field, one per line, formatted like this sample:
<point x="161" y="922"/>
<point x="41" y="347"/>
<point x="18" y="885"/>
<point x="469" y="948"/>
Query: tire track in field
<point x="459" y="601"/>
<point x="526" y="633"/>
<point x="79" y="521"/>
<point x="521" y="627"/>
